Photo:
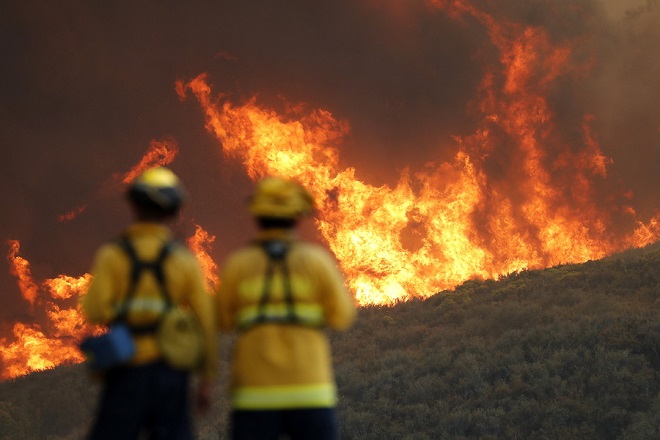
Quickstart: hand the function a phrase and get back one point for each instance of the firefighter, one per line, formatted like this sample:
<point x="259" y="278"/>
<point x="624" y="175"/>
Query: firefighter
<point x="149" y="395"/>
<point x="279" y="293"/>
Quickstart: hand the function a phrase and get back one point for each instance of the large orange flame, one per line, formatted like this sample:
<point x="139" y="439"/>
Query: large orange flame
<point x="37" y="347"/>
<point x="33" y="351"/>
<point x="450" y="221"/>
<point x="434" y="229"/>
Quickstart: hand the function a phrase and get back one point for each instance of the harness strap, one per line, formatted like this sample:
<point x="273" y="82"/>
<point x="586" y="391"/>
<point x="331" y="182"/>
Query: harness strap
<point x="139" y="266"/>
<point x="277" y="251"/>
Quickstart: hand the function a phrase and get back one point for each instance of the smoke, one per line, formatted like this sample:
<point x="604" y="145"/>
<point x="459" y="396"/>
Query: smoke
<point x="86" y="86"/>
<point x="625" y="92"/>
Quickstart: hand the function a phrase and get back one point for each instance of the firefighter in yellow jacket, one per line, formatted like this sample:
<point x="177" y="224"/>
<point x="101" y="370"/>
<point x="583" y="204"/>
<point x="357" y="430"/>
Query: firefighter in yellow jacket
<point x="149" y="395"/>
<point x="280" y="292"/>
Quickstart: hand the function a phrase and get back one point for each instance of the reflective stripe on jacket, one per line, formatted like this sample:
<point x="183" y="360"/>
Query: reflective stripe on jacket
<point x="185" y="284"/>
<point x="285" y="364"/>
<point x="285" y="397"/>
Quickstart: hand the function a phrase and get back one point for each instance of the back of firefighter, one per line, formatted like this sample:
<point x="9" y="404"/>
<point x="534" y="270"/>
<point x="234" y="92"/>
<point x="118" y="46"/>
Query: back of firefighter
<point x="280" y="293"/>
<point x="148" y="396"/>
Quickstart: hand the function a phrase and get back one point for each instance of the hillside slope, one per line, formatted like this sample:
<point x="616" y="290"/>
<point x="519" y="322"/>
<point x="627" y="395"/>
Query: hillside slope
<point x="567" y="352"/>
<point x="564" y="353"/>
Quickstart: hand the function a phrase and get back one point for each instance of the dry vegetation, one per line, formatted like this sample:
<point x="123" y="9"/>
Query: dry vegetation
<point x="566" y="352"/>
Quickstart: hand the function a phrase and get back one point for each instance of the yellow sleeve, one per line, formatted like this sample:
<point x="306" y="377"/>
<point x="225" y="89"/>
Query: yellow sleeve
<point x="101" y="297"/>
<point x="201" y="303"/>
<point x="340" y="311"/>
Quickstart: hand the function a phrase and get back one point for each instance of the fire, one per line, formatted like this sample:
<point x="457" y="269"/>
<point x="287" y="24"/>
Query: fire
<point x="199" y="244"/>
<point x="463" y="221"/>
<point x="37" y="347"/>
<point x="72" y="214"/>
<point x="20" y="267"/>
<point x="160" y="153"/>
<point x="66" y="286"/>
<point x="33" y="351"/>
<point x="646" y="233"/>
<point x="518" y="193"/>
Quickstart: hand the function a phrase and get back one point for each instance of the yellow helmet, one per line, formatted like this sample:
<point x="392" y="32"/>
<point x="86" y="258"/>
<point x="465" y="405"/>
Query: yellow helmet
<point x="157" y="190"/>
<point x="279" y="198"/>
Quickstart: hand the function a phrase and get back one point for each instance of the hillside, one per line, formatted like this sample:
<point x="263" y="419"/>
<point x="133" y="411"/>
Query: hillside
<point x="567" y="352"/>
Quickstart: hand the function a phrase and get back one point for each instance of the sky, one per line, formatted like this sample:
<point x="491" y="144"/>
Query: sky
<point x="85" y="87"/>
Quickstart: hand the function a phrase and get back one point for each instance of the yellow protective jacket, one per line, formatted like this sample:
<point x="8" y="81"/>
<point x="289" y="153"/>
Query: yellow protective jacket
<point x="183" y="278"/>
<point x="278" y="365"/>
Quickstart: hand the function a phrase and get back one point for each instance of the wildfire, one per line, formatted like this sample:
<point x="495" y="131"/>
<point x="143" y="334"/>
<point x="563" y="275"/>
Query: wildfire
<point x="160" y="153"/>
<point x="65" y="286"/>
<point x="32" y="346"/>
<point x="434" y="229"/>
<point x="466" y="222"/>
<point x="20" y="267"/>
<point x="200" y="244"/>
<point x="33" y="351"/>
<point x="36" y="347"/>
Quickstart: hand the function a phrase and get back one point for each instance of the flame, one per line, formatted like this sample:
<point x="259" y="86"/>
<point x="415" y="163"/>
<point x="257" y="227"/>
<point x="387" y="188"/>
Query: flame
<point x="160" y="153"/>
<point x="200" y="243"/>
<point x="66" y="286"/>
<point x="72" y="214"/>
<point x="36" y="347"/>
<point x="432" y="230"/>
<point x="20" y="267"/>
<point x="517" y="110"/>
<point x="33" y="351"/>
<point x="452" y="221"/>
<point x="646" y="233"/>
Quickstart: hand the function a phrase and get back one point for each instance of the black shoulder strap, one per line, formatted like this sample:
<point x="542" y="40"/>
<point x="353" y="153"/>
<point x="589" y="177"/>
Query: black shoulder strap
<point x="277" y="251"/>
<point x="138" y="267"/>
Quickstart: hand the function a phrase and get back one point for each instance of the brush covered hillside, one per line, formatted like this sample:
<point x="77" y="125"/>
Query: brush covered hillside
<point x="571" y="352"/>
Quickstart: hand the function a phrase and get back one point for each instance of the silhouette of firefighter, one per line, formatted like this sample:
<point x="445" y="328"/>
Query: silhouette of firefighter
<point x="149" y="286"/>
<point x="279" y="293"/>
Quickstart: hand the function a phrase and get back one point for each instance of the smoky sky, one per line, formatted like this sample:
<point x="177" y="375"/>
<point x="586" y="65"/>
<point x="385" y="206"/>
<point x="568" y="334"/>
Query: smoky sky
<point x="86" y="86"/>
